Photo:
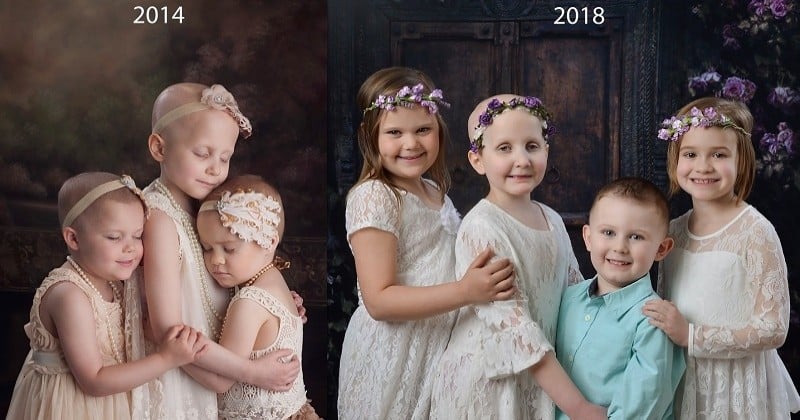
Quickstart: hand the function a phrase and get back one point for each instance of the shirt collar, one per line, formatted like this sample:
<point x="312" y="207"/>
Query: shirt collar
<point x="622" y="300"/>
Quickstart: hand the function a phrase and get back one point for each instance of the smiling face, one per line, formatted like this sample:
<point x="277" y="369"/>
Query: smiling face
<point x="408" y="144"/>
<point x="197" y="152"/>
<point x="707" y="161"/>
<point x="230" y="260"/>
<point x="624" y="237"/>
<point x="513" y="157"/>
<point x="108" y="239"/>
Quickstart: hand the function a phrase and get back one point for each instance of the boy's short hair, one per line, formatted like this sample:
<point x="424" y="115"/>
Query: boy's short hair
<point x="639" y="190"/>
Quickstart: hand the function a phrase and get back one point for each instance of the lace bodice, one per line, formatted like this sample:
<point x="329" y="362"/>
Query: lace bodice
<point x="482" y="372"/>
<point x="742" y="267"/>
<point x="108" y="321"/>
<point x="732" y="287"/>
<point x="386" y="367"/>
<point x="247" y="401"/>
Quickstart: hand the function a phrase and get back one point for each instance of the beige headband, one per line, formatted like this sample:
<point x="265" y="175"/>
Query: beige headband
<point x="214" y="97"/>
<point x="97" y="192"/>
<point x="250" y="215"/>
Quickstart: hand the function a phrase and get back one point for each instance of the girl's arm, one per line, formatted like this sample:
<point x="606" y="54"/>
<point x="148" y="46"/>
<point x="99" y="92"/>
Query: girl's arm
<point x="769" y="322"/>
<point x="71" y="313"/>
<point x="375" y="253"/>
<point x="162" y="276"/>
<point x="555" y="382"/>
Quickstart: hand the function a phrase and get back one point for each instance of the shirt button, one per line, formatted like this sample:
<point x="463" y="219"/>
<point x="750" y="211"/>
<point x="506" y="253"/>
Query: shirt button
<point x="587" y="318"/>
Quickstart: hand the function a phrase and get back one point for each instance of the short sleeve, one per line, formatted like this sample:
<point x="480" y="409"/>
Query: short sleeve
<point x="372" y="204"/>
<point x="511" y="339"/>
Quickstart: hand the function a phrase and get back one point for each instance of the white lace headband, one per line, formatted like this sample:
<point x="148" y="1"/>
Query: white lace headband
<point x="214" y="97"/>
<point x="99" y="191"/>
<point x="249" y="215"/>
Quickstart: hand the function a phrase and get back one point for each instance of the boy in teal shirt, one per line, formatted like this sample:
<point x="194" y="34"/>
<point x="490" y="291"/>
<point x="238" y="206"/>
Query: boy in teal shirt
<point x="604" y="342"/>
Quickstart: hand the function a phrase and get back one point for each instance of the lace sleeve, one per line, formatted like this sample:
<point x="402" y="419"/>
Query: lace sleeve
<point x="574" y="275"/>
<point x="372" y="204"/>
<point x="767" y="327"/>
<point x="512" y="341"/>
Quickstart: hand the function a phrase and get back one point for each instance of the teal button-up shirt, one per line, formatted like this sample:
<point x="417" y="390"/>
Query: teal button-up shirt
<point x="613" y="354"/>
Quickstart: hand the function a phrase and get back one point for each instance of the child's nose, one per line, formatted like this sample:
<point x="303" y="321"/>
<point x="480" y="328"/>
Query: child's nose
<point x="214" y="168"/>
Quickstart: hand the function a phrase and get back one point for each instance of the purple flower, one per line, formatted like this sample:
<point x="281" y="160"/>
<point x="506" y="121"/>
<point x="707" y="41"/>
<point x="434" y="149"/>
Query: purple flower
<point x="494" y="104"/>
<point x="730" y="35"/>
<point x="417" y="89"/>
<point x="704" y="83"/>
<point x="738" y="89"/>
<point x="532" y="101"/>
<point x="485" y="119"/>
<point x="769" y="143"/>
<point x="437" y="94"/>
<point x="757" y="7"/>
<point x="663" y="134"/>
<point x="783" y="98"/>
<point x="404" y="91"/>
<point x="786" y="139"/>
<point x="778" y="8"/>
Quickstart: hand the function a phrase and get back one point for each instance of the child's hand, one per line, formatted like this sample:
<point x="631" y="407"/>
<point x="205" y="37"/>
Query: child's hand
<point x="488" y="282"/>
<point x="664" y="315"/>
<point x="183" y="344"/>
<point x="592" y="412"/>
<point x="298" y="302"/>
<point x="279" y="370"/>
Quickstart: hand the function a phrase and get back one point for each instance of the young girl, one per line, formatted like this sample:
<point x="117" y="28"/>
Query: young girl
<point x="240" y="225"/>
<point x="195" y="129"/>
<point x="479" y="375"/>
<point x="76" y="368"/>
<point x="401" y="228"/>
<point x="725" y="282"/>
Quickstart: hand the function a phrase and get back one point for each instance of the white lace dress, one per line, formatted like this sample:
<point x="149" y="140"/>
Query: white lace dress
<point x="386" y="368"/>
<point x="483" y="373"/>
<point x="245" y="401"/>
<point x="732" y="287"/>
<point x="175" y="395"/>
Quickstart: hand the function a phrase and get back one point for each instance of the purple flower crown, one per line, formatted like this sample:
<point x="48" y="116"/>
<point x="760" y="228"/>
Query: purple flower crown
<point x="407" y="97"/>
<point x="676" y="126"/>
<point x="495" y="107"/>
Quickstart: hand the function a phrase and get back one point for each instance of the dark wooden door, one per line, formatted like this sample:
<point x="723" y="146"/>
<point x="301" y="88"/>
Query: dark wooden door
<point x="595" y="75"/>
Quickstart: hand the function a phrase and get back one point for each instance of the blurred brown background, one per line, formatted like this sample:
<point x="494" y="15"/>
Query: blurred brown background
<point x="77" y="83"/>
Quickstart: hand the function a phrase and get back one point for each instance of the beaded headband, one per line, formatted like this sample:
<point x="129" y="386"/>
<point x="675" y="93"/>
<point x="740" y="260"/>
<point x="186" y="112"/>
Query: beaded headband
<point x="214" y="97"/>
<point x="250" y="215"/>
<point x="676" y="126"/>
<point x="496" y="107"/>
<point x="408" y="96"/>
<point x="97" y="192"/>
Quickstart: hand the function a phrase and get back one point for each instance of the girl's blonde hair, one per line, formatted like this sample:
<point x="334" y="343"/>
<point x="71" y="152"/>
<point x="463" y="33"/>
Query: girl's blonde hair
<point x="745" y="153"/>
<point x="389" y="81"/>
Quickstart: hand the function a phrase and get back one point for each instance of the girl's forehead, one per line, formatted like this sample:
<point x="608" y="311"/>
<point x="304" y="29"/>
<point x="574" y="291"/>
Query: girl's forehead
<point x="402" y="115"/>
<point x="711" y="137"/>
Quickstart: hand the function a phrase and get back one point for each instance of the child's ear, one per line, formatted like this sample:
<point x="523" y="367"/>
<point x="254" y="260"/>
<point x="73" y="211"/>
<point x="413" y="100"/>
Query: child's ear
<point x="664" y="248"/>
<point x="476" y="161"/>
<point x="586" y="234"/>
<point x="70" y="238"/>
<point x="156" y="145"/>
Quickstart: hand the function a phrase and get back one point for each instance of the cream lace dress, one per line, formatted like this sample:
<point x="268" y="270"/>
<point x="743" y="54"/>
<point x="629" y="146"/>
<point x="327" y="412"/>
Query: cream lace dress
<point x="386" y="367"/>
<point x="732" y="287"/>
<point x="45" y="388"/>
<point x="483" y="373"/>
<point x="175" y="395"/>
<point x="245" y="401"/>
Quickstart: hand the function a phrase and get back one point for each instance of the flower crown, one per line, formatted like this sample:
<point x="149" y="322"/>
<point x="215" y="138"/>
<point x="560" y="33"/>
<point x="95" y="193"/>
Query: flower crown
<point x="496" y="107"/>
<point x="674" y="127"/>
<point x="250" y="215"/>
<point x="408" y="96"/>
